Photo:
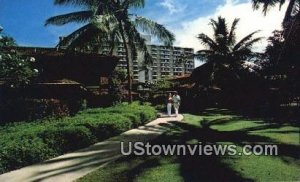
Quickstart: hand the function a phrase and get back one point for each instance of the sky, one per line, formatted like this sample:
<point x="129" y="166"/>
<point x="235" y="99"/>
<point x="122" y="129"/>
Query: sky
<point x="24" y="19"/>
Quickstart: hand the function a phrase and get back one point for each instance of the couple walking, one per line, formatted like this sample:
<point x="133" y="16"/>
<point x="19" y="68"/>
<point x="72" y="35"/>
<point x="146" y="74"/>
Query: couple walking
<point x="175" y="100"/>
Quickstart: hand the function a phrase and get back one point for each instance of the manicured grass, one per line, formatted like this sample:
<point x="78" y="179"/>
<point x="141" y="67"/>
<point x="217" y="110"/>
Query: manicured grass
<point x="214" y="127"/>
<point x="26" y="143"/>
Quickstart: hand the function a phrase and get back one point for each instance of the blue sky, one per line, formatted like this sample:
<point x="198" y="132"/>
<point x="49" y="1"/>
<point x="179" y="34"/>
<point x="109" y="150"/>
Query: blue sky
<point x="24" y="19"/>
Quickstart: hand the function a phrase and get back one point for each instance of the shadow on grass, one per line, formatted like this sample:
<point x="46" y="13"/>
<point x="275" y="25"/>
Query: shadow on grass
<point x="191" y="168"/>
<point x="195" y="168"/>
<point x="201" y="167"/>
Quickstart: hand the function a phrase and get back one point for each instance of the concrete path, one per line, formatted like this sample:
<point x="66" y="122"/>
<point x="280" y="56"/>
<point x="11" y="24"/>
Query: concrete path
<point x="72" y="166"/>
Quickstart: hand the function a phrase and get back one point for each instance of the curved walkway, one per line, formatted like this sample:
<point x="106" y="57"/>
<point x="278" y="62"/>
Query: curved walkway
<point x="72" y="166"/>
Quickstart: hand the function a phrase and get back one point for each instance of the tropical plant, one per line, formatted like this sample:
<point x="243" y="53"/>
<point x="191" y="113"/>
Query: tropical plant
<point x="15" y="70"/>
<point x="161" y="85"/>
<point x="292" y="9"/>
<point x="291" y="21"/>
<point x="109" y="22"/>
<point x="116" y="86"/>
<point x="224" y="56"/>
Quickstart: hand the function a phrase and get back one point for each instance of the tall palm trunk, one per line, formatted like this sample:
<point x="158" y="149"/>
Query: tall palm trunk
<point x="129" y="77"/>
<point x="289" y="11"/>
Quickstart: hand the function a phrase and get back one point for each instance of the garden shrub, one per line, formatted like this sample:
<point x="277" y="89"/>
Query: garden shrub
<point x="26" y="143"/>
<point x="61" y="139"/>
<point x="32" y="109"/>
<point x="25" y="151"/>
<point x="106" y="125"/>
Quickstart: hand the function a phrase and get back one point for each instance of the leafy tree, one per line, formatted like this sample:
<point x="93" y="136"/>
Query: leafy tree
<point x="110" y="21"/>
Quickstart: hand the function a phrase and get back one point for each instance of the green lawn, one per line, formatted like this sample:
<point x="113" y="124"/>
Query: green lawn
<point x="214" y="126"/>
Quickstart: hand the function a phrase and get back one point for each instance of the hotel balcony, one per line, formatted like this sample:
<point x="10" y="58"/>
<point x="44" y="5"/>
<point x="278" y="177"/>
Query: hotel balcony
<point x="165" y="71"/>
<point x="178" y="70"/>
<point x="166" y="53"/>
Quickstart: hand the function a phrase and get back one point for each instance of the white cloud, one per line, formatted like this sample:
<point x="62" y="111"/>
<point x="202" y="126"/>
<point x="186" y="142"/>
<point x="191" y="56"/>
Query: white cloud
<point x="172" y="6"/>
<point x="249" y="21"/>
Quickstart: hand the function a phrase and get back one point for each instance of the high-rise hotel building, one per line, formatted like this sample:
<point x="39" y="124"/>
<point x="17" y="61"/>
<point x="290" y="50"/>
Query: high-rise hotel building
<point x="167" y="62"/>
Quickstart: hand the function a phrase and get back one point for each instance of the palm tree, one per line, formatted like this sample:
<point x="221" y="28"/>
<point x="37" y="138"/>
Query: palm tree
<point x="290" y="22"/>
<point x="293" y="7"/>
<point x="224" y="56"/>
<point x="107" y="22"/>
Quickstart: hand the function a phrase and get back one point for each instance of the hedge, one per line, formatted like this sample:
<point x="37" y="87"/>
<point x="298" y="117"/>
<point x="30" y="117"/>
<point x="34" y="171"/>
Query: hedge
<point x="26" y="143"/>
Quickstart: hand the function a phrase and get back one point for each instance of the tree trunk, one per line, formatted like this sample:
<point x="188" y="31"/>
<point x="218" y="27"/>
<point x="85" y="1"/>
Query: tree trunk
<point x="128" y="63"/>
<point x="289" y="11"/>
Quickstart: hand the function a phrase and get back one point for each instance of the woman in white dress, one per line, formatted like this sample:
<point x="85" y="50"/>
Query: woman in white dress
<point x="169" y="104"/>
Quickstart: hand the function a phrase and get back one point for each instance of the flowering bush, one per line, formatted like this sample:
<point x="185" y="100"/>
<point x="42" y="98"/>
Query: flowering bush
<point x="15" y="70"/>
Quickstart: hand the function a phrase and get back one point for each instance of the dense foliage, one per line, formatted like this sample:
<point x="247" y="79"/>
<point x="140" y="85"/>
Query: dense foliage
<point x="161" y="84"/>
<point x="15" y="70"/>
<point x="109" y="23"/>
<point x="25" y="143"/>
<point x="116" y="88"/>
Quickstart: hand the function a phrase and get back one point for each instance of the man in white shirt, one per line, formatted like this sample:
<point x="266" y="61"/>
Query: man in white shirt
<point x="176" y="103"/>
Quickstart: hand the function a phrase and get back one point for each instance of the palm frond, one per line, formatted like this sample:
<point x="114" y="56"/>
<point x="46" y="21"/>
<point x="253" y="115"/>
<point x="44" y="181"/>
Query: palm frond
<point x="249" y="44"/>
<point x="266" y="4"/>
<point x="244" y="40"/>
<point x="91" y="40"/>
<point x="204" y="54"/>
<point x="106" y="22"/>
<point x="76" y="2"/>
<point x="134" y="3"/>
<point x="138" y="41"/>
<point x="78" y="17"/>
<point x="232" y="35"/>
<point x="281" y="3"/>
<point x="213" y="23"/>
<point x="207" y="41"/>
<point x="242" y="54"/>
<point x="220" y="27"/>
<point x="245" y="52"/>
<point x="90" y="37"/>
<point x="71" y="37"/>
<point x="155" y="29"/>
